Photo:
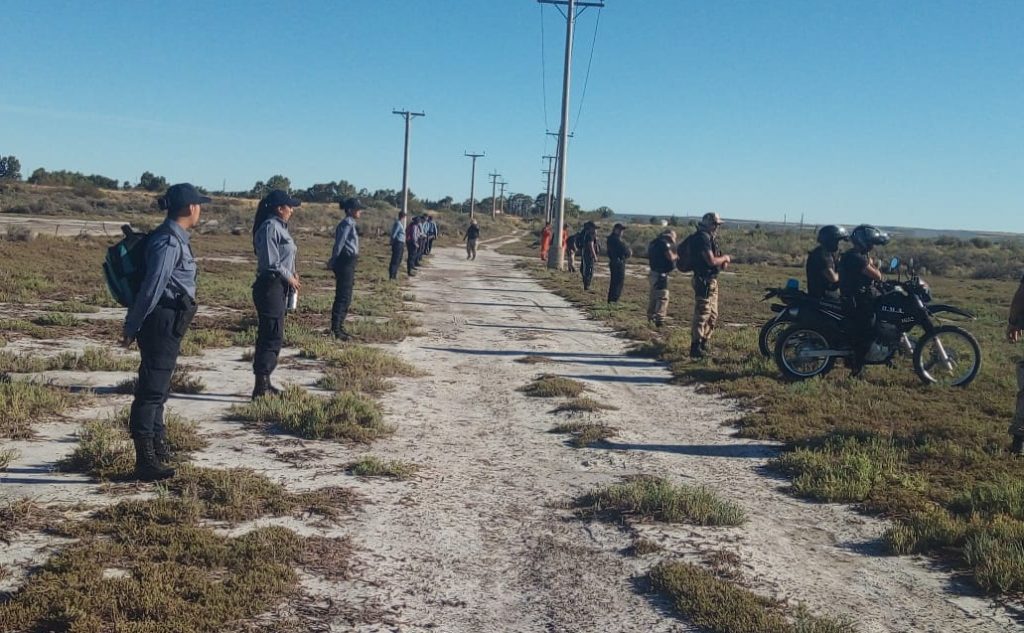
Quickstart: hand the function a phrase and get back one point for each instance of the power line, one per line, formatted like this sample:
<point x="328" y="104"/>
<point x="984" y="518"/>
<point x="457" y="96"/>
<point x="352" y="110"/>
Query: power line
<point x="586" y="79"/>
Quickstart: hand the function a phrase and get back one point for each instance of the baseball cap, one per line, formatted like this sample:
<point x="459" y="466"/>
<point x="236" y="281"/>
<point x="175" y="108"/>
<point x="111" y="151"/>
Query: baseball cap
<point x="280" y="198"/>
<point x="711" y="219"/>
<point x="351" y="204"/>
<point x="183" y="194"/>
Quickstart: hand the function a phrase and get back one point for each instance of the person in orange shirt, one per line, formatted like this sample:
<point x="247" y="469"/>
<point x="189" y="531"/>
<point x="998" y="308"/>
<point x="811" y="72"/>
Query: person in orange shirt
<point x="545" y="241"/>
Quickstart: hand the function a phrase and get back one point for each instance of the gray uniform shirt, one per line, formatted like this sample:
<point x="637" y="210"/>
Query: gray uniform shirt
<point x="170" y="272"/>
<point x="275" y="249"/>
<point x="346" y="239"/>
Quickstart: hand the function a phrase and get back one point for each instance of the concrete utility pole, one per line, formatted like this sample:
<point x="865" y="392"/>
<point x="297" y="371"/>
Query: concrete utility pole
<point x="557" y="257"/>
<point x="494" y="189"/>
<point x="549" y="173"/>
<point x="409" y="116"/>
<point x="502" y="197"/>
<point x="472" y="184"/>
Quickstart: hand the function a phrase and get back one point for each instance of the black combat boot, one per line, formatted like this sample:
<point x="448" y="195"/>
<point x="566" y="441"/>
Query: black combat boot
<point x="1017" y="446"/>
<point x="696" y="349"/>
<point x="147" y="467"/>
<point x="162" y="448"/>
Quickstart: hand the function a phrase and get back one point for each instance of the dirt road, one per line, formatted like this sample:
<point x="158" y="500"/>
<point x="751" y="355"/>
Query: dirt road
<point x="478" y="542"/>
<point x="480" y="539"/>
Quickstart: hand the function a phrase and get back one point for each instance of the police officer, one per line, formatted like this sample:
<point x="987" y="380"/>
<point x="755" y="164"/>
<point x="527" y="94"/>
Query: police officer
<point x="618" y="253"/>
<point x="157" y="321"/>
<point x="397" y="245"/>
<point x="343" y="260"/>
<point x="431" y="233"/>
<point x="275" y="280"/>
<point x="708" y="261"/>
<point x="822" y="262"/>
<point x="589" y="253"/>
<point x="1014" y="333"/>
<point x="857" y="275"/>
<point x="570" y="248"/>
<point x="661" y="257"/>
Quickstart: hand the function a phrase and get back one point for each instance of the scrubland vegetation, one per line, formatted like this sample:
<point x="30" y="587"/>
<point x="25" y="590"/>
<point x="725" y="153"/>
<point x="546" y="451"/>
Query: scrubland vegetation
<point x="887" y="443"/>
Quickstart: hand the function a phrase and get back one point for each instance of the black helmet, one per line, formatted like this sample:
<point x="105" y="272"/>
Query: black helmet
<point x="830" y="236"/>
<point x="867" y="237"/>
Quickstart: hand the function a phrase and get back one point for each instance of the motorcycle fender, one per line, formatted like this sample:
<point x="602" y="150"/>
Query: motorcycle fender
<point x="938" y="308"/>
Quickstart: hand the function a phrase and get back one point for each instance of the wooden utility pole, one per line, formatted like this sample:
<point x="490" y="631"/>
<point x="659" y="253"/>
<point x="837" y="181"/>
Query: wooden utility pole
<point x="494" y="190"/>
<point x="472" y="184"/>
<point x="409" y="116"/>
<point x="557" y="257"/>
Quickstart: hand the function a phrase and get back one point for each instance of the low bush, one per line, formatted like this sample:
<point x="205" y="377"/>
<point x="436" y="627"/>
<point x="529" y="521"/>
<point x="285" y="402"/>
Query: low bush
<point x="345" y="416"/>
<point x="548" y="386"/>
<point x="649" y="498"/>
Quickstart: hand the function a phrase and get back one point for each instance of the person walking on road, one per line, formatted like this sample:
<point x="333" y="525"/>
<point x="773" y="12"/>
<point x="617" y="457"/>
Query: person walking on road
<point x="708" y="261"/>
<point x="412" y="240"/>
<point x="157" y="320"/>
<point x="618" y="253"/>
<point x="397" y="240"/>
<point x="569" y="248"/>
<point x="276" y="280"/>
<point x="590" y="252"/>
<point x="472" y="236"/>
<point x="1014" y="333"/>
<point x="661" y="257"/>
<point x="545" y="241"/>
<point x="344" y="257"/>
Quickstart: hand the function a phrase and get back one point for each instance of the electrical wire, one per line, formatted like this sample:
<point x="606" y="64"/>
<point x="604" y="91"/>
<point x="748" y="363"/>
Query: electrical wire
<point x="586" y="80"/>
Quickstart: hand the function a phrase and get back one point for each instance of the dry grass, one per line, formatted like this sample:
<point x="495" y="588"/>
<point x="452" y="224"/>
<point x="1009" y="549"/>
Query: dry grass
<point x="182" y="381"/>
<point x="585" y="433"/>
<point x="24" y="515"/>
<point x="345" y="416"/>
<point x="8" y="455"/>
<point x="23" y="404"/>
<point x="646" y="498"/>
<point x="91" y="359"/>
<point x="105" y="448"/>
<point x="372" y="466"/>
<point x="548" y="386"/>
<point x="721" y="606"/>
<point x="535" y="359"/>
<point x="583" y="404"/>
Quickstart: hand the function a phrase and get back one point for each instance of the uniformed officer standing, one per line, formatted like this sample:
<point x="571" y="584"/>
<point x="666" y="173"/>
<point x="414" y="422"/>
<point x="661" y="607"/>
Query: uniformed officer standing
<point x="397" y="245"/>
<point x="1014" y="333"/>
<point x="157" y="321"/>
<point x="343" y="263"/>
<point x="708" y="261"/>
<point x="661" y="257"/>
<point x="275" y="280"/>
<point x="618" y="253"/>
<point x="413" y="232"/>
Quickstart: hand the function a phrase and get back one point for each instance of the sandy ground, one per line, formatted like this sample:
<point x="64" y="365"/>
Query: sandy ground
<point x="480" y="539"/>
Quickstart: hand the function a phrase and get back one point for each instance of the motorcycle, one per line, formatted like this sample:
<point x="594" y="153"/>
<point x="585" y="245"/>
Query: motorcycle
<point x="786" y="312"/>
<point x="946" y="355"/>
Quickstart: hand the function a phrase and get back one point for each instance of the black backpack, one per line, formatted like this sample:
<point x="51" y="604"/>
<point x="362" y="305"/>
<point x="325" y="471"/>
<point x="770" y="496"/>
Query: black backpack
<point x="125" y="266"/>
<point x="684" y="263"/>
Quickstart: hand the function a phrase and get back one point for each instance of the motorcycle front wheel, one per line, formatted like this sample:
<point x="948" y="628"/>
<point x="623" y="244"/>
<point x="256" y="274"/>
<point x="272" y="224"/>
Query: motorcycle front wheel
<point x="769" y="334"/>
<point x="797" y="353"/>
<point x="948" y="357"/>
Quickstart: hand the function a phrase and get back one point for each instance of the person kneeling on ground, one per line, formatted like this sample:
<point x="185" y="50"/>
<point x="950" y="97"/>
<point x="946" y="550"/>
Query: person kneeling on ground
<point x="1014" y="332"/>
<point x="661" y="257"/>
<point x="343" y="260"/>
<point x="158" y="319"/>
<point x="276" y="280"/>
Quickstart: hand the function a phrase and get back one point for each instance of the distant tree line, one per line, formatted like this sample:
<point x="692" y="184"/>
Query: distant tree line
<point x="514" y="203"/>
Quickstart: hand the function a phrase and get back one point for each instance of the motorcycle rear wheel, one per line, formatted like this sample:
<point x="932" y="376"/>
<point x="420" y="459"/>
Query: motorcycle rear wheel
<point x="792" y="343"/>
<point x="960" y="348"/>
<point x="768" y="335"/>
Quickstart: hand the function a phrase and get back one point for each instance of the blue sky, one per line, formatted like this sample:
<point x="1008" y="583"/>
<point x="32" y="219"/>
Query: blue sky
<point x="893" y="112"/>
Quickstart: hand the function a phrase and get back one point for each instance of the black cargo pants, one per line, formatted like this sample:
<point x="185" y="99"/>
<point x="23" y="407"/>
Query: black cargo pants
<point x="344" y="282"/>
<point x="617" y="268"/>
<point x="397" y="249"/>
<point x="159" y="345"/>
<point x="270" y="296"/>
